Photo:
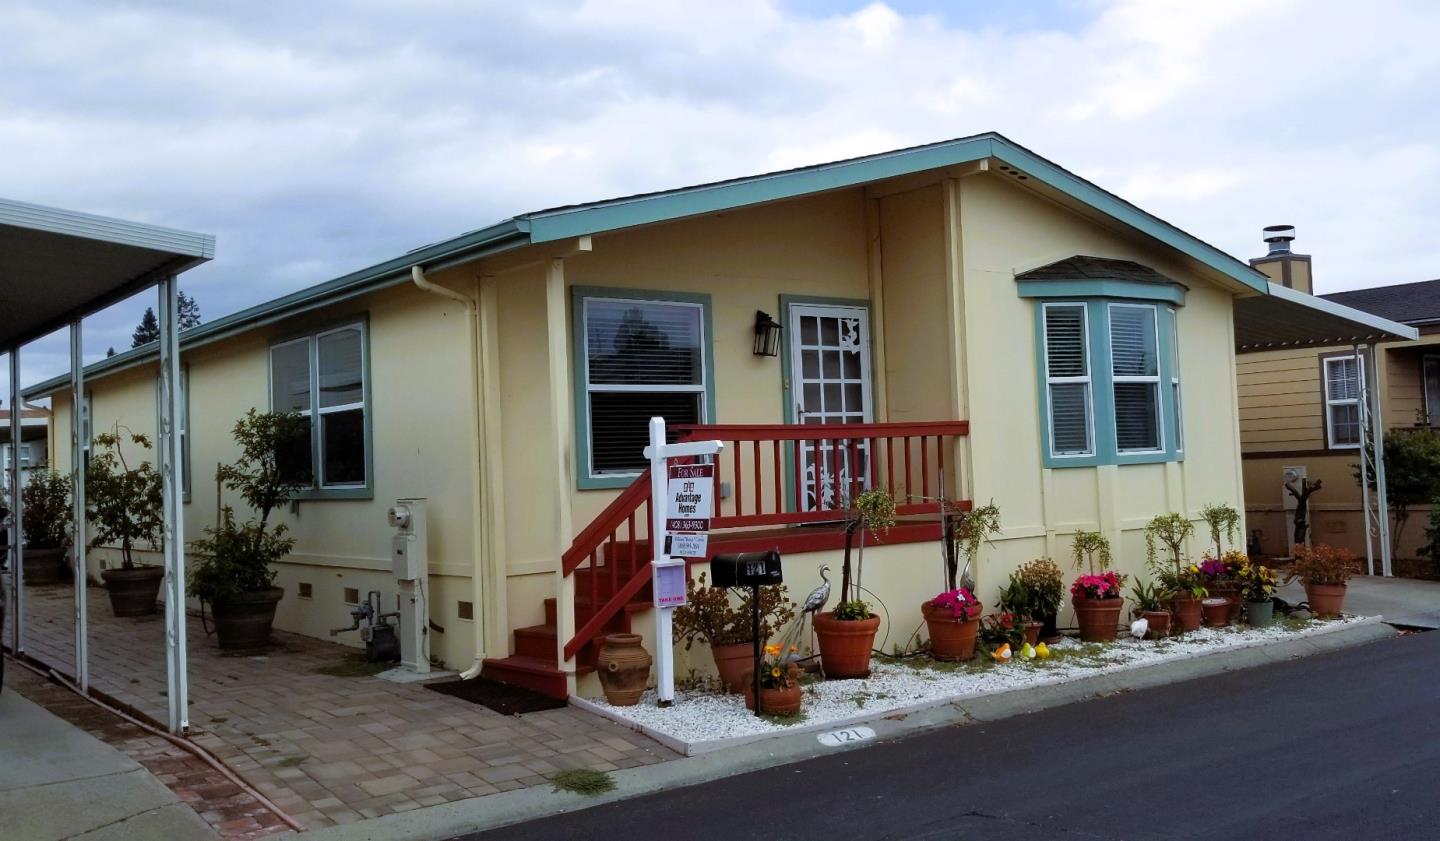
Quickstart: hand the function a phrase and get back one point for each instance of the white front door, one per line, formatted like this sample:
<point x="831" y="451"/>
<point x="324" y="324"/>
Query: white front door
<point x="830" y="384"/>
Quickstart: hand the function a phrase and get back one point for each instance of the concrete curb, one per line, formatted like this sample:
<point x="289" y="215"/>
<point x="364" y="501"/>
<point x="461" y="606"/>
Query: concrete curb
<point x="498" y="810"/>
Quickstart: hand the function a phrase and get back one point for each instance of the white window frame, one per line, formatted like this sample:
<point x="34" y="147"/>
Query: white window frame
<point x="592" y="388"/>
<point x="315" y="413"/>
<point x="1344" y="401"/>
<point x="1086" y="380"/>
<point x="1431" y="402"/>
<point x="1175" y="390"/>
<point x="1155" y="379"/>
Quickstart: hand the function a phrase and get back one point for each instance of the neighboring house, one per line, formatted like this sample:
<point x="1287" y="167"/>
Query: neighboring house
<point x="964" y="318"/>
<point x="34" y="442"/>
<point x="1300" y="410"/>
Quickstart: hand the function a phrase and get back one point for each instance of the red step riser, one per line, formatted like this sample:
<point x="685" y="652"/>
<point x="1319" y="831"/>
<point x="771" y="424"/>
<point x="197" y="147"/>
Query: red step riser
<point x="532" y="643"/>
<point x="550" y="685"/>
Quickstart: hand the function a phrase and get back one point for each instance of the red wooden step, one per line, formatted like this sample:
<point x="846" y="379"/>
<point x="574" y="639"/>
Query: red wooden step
<point x="530" y="672"/>
<point x="536" y="641"/>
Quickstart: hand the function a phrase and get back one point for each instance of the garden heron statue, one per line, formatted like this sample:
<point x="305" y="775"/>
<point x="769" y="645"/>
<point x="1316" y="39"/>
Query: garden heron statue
<point x="819" y="596"/>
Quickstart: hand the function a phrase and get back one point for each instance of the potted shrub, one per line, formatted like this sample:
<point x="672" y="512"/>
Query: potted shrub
<point x="779" y="684"/>
<point x="1148" y="607"/>
<point x="234" y="572"/>
<point x="846" y="634"/>
<point x="1001" y="629"/>
<point x="1257" y="588"/>
<point x="709" y="613"/>
<point x="1015" y="599"/>
<point x="46" y="519"/>
<point x="1222" y="579"/>
<point x="952" y="617"/>
<point x="1044" y="587"/>
<point x="124" y="508"/>
<point x="1180" y="581"/>
<point x="1096" y="595"/>
<point x="1323" y="570"/>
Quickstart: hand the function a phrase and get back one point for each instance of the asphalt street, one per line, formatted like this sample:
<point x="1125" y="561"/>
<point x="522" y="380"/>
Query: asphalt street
<point x="1340" y="745"/>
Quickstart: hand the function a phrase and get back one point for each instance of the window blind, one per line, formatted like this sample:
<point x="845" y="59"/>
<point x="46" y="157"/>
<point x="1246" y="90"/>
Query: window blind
<point x="1067" y="369"/>
<point x="1135" y="367"/>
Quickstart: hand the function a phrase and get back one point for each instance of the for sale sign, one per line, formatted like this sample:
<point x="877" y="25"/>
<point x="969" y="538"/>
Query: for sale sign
<point x="690" y="503"/>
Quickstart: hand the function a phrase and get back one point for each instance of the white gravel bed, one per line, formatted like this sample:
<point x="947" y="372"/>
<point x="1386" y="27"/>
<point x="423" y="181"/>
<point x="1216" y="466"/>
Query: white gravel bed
<point x="698" y="717"/>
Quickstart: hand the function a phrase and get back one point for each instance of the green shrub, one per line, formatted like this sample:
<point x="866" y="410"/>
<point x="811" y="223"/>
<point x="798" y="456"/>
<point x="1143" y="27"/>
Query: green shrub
<point x="46" y="513"/>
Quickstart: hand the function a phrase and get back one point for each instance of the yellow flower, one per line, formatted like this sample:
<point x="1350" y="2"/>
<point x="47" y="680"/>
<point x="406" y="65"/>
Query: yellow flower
<point x="775" y="671"/>
<point x="772" y="650"/>
<point x="794" y="648"/>
<point x="1194" y="568"/>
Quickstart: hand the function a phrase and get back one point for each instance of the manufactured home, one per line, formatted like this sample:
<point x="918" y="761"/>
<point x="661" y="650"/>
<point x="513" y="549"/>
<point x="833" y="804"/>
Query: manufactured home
<point x="962" y="321"/>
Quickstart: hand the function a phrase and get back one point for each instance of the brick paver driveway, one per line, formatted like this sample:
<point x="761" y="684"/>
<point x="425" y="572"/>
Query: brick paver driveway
<point x="328" y="749"/>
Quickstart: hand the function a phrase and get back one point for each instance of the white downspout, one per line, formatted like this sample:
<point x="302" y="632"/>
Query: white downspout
<point x="472" y="312"/>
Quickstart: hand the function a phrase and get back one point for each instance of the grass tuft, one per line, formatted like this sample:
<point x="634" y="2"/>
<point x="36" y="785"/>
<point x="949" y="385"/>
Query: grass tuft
<point x="583" y="781"/>
<point x="353" y="665"/>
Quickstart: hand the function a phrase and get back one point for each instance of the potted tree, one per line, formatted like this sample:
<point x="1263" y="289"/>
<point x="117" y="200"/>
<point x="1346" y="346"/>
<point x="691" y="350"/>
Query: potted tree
<point x="124" y="507"/>
<point x="46" y="516"/>
<point x="1180" y="581"/>
<point x="1323" y="570"/>
<point x="953" y="617"/>
<point x="709" y="613"/>
<point x="1096" y="596"/>
<point x="234" y="573"/>
<point x="1044" y="587"/>
<point x="847" y="634"/>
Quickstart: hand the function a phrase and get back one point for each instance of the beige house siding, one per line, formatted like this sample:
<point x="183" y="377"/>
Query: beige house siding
<point x="1280" y="401"/>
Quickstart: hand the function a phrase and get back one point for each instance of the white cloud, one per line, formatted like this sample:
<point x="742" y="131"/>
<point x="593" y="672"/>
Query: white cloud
<point x="317" y="138"/>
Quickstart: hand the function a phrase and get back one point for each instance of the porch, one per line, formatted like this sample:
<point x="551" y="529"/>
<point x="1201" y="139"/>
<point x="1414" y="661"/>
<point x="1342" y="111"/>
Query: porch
<point x="780" y="486"/>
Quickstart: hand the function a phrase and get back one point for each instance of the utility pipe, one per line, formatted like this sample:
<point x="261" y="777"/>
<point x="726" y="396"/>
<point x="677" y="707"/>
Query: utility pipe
<point x="477" y="593"/>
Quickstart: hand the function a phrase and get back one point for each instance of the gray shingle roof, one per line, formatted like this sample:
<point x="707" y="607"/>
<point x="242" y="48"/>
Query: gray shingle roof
<point x="1408" y="303"/>
<point x="1081" y="267"/>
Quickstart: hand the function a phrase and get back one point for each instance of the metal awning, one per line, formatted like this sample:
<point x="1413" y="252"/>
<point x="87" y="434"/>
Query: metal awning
<point x="1286" y="318"/>
<point x="57" y="266"/>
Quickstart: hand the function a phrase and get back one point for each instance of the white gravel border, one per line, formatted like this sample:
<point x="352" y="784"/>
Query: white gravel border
<point x="700" y="722"/>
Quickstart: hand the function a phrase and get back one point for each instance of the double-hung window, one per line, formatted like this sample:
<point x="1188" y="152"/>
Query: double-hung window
<point x="1067" y="380"/>
<point x="1430" y="374"/>
<point x="1135" y="374"/>
<point x="1342" y="400"/>
<point x="322" y="377"/>
<point x="638" y="356"/>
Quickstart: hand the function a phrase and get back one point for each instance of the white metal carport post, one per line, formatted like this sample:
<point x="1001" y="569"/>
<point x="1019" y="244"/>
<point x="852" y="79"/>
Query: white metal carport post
<point x="170" y="475"/>
<point x="79" y="431"/>
<point x="17" y="540"/>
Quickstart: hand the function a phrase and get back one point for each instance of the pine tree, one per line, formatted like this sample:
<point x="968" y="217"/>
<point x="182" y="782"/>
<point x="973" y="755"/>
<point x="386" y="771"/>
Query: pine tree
<point x="147" y="331"/>
<point x="149" y="328"/>
<point x="109" y="352"/>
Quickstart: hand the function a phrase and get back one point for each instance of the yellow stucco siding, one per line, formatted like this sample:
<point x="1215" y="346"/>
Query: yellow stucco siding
<point x="912" y="240"/>
<point x="421" y="406"/>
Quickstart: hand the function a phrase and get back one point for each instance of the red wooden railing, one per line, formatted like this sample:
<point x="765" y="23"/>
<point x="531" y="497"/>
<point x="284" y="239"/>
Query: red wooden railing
<point x="778" y="475"/>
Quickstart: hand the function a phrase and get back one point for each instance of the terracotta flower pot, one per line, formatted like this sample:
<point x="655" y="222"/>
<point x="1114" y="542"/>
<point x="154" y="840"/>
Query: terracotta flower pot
<point x="775" y="700"/>
<point x="734" y="662"/>
<point x="1325" y="599"/>
<point x="950" y="638"/>
<point x="845" y="645"/>
<point x="1159" y="621"/>
<point x="623" y="668"/>
<point x="1216" y="610"/>
<point x="133" y="591"/>
<point x="44" y="566"/>
<point x="243" y="623"/>
<point x="1231" y="593"/>
<point x="1187" y="612"/>
<point x="1098" y="618"/>
<point x="1032" y="631"/>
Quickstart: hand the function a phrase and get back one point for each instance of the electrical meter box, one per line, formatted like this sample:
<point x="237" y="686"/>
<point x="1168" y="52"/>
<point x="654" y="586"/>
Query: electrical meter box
<point x="746" y="569"/>
<point x="409" y="549"/>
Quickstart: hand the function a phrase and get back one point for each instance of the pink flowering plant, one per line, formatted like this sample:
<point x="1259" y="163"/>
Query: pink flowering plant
<point x="960" y="602"/>
<point x="1106" y="585"/>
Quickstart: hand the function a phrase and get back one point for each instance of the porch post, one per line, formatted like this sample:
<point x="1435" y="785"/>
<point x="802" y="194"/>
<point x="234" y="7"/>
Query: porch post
<point x="955" y="303"/>
<point x="79" y="432"/>
<point x="17" y="539"/>
<point x="1377" y="436"/>
<point x="558" y="336"/>
<point x="1365" y="510"/>
<point x="172" y="494"/>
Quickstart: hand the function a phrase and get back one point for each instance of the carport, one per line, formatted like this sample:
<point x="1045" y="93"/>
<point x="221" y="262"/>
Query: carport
<point x="1288" y="319"/>
<point x="57" y="267"/>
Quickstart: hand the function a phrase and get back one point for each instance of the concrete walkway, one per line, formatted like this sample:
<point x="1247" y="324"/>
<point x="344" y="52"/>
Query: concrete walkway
<point x="56" y="781"/>
<point x="1399" y="601"/>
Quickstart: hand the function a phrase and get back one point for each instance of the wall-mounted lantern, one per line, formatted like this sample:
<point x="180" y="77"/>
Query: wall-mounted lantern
<point x="767" y="335"/>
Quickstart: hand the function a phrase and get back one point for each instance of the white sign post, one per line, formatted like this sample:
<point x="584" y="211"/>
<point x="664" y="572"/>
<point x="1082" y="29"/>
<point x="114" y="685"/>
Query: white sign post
<point x="690" y="505"/>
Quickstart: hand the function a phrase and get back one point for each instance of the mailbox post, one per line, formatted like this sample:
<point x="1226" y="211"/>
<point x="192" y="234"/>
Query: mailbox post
<point x="753" y="570"/>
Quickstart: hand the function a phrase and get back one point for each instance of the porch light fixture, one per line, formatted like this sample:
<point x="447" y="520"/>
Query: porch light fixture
<point x="767" y="335"/>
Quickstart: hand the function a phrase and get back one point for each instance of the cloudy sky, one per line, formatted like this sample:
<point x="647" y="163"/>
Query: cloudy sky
<point x="316" y="138"/>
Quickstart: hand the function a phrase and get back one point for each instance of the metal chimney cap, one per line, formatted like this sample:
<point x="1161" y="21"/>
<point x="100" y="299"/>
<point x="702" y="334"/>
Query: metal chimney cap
<point x="1279" y="237"/>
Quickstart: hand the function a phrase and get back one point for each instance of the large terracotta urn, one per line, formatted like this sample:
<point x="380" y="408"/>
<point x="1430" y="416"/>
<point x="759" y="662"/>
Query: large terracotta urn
<point x="624" y="669"/>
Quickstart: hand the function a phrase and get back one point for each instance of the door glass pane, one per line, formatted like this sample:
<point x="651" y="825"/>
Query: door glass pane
<point x="832" y="364"/>
<point x="855" y="398"/>
<point x="290" y="377"/>
<point x="833" y="401"/>
<point x="810" y="364"/>
<point x="829" y="332"/>
<point x="340" y="368"/>
<point x="343" y="445"/>
<point x="809" y="330"/>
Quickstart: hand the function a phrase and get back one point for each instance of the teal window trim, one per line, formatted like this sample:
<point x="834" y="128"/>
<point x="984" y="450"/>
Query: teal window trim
<point x="316" y="491"/>
<point x="585" y="480"/>
<point x="1132" y="290"/>
<point x="1102" y="385"/>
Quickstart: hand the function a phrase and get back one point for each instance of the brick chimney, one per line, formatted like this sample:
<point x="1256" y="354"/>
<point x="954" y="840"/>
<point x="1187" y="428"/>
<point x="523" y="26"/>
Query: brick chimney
<point x="1282" y="265"/>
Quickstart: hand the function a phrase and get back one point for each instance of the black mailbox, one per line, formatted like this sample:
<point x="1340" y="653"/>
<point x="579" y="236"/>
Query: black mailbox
<point x="746" y="569"/>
